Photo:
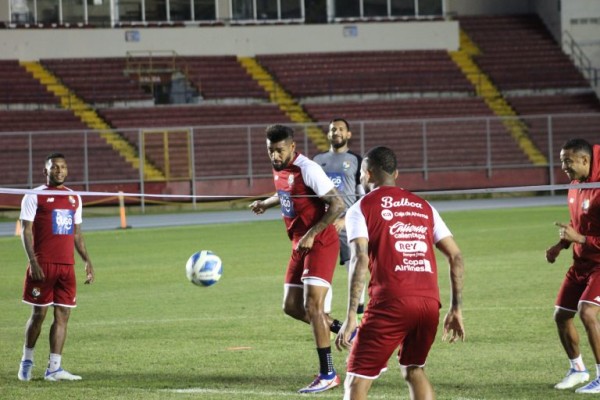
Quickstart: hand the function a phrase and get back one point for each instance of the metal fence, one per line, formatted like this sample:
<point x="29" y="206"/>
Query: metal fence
<point x="217" y="153"/>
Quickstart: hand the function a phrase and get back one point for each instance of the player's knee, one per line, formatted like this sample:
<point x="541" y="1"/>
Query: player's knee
<point x="588" y="313"/>
<point x="412" y="373"/>
<point x="562" y="316"/>
<point x="38" y="314"/>
<point x="314" y="308"/>
<point x="293" y="310"/>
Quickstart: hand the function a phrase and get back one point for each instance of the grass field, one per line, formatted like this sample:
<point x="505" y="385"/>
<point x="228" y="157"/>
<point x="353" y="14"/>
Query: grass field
<point x="143" y="332"/>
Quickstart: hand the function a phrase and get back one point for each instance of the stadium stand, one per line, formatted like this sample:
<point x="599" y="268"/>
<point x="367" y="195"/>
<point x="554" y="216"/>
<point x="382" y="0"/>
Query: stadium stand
<point x="221" y="77"/>
<point x="518" y="52"/>
<point x="567" y="116"/>
<point x="98" y="80"/>
<point x="122" y="79"/>
<point x="218" y="151"/>
<point x="192" y="115"/>
<point x="412" y="135"/>
<point x="345" y="73"/>
<point x="38" y="120"/>
<point x="417" y="102"/>
<point x="54" y="132"/>
<point x="104" y="164"/>
<point x="18" y="87"/>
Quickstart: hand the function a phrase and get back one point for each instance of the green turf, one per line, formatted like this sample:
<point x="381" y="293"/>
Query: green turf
<point x="143" y="332"/>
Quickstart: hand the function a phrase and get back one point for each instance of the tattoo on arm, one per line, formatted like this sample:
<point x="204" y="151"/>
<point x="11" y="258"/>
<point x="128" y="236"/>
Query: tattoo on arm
<point x="359" y="266"/>
<point x="457" y="270"/>
<point x="335" y="206"/>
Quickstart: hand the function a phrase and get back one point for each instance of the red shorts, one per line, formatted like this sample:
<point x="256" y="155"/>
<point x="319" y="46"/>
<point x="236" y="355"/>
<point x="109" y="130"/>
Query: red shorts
<point x="579" y="285"/>
<point x="58" y="289"/>
<point x="407" y="323"/>
<point x="318" y="263"/>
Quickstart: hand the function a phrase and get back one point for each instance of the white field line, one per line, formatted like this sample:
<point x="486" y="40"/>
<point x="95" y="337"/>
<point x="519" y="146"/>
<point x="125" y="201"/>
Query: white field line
<point x="264" y="394"/>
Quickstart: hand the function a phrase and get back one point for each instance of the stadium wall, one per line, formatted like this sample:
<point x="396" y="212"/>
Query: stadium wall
<point x="581" y="18"/>
<point x="34" y="44"/>
<point x="488" y="7"/>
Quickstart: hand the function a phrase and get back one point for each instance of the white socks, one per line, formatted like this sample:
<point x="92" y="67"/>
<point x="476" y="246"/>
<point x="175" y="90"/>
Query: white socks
<point x="577" y="364"/>
<point x="27" y="353"/>
<point x="54" y="362"/>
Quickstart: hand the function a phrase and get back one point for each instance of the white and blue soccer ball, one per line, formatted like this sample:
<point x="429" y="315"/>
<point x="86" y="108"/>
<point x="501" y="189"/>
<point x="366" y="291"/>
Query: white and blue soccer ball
<point x="204" y="268"/>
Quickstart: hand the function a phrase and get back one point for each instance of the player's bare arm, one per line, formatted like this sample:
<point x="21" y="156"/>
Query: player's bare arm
<point x="27" y="238"/>
<point x="359" y="266"/>
<point x="82" y="250"/>
<point x="335" y="206"/>
<point x="260" y="206"/>
<point x="453" y="321"/>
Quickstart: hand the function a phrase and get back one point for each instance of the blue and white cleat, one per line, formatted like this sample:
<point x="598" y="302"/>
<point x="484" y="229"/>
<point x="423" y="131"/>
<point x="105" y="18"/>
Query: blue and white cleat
<point x="592" y="387"/>
<point x="573" y="379"/>
<point x="321" y="384"/>
<point x="60" y="375"/>
<point x="25" y="370"/>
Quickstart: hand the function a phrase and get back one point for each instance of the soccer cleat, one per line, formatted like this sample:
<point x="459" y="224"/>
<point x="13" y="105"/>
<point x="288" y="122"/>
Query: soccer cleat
<point x="573" y="379"/>
<point x="25" y="370"/>
<point x="60" y="375"/>
<point x="592" y="387"/>
<point x="321" y="384"/>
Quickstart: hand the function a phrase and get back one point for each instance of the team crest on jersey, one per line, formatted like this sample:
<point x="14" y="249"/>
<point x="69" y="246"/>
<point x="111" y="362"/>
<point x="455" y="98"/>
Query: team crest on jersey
<point x="36" y="292"/>
<point x="346" y="165"/>
<point x="291" y="179"/>
<point x="72" y="200"/>
<point x="585" y="206"/>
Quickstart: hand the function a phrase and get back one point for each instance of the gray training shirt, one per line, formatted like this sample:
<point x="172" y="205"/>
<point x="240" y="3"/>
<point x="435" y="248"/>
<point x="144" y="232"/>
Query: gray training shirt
<point x="344" y="171"/>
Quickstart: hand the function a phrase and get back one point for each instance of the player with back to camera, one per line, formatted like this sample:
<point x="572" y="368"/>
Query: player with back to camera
<point x="392" y="234"/>
<point x="309" y="205"/>
<point x="342" y="166"/>
<point x="580" y="290"/>
<point x="51" y="230"/>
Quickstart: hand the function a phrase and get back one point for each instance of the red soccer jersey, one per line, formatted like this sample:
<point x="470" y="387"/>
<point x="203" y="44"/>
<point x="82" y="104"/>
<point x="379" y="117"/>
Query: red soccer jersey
<point x="298" y="187"/>
<point x="584" y="209"/>
<point x="54" y="218"/>
<point x="402" y="229"/>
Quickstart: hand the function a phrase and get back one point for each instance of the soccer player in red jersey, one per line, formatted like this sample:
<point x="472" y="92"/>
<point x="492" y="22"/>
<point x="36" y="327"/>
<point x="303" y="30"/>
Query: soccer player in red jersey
<point x="51" y="230"/>
<point x="392" y="234"/>
<point x="309" y="205"/>
<point x="580" y="290"/>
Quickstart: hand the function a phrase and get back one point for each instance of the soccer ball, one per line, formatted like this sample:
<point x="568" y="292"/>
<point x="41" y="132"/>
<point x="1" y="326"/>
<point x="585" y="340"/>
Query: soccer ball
<point x="204" y="268"/>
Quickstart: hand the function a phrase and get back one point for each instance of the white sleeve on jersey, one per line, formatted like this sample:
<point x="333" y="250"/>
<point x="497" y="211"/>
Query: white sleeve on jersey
<point x="440" y="230"/>
<point x="79" y="212"/>
<point x="28" y="207"/>
<point x="356" y="225"/>
<point x="314" y="176"/>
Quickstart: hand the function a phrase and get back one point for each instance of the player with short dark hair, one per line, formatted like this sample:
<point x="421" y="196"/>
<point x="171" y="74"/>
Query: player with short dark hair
<point x="392" y="234"/>
<point x="580" y="289"/>
<point x="309" y="205"/>
<point x="51" y="231"/>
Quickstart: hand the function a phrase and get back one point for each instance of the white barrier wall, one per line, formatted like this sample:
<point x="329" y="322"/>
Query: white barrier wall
<point x="34" y="44"/>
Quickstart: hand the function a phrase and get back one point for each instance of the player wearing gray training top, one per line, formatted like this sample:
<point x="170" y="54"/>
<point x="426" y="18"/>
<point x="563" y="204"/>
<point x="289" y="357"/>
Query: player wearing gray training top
<point x="342" y="166"/>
